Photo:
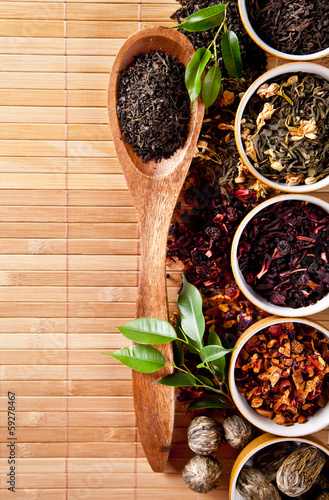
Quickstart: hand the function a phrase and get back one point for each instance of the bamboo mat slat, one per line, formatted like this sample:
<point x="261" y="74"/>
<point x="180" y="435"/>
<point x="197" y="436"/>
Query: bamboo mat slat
<point x="69" y="260"/>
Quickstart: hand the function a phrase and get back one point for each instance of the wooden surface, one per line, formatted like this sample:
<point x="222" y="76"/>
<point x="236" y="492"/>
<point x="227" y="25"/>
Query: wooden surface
<point x="69" y="260"/>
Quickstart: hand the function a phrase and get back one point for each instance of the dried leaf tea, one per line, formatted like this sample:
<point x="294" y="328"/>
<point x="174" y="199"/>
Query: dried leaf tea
<point x="286" y="129"/>
<point x="269" y="459"/>
<point x="283" y="253"/>
<point x="297" y="27"/>
<point x="153" y="105"/>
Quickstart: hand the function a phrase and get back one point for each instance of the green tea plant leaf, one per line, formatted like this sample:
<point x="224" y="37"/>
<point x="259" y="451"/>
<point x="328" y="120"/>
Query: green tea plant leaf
<point x="204" y="19"/>
<point x="211" y="86"/>
<point x="190" y="308"/>
<point x="194" y="71"/>
<point x="205" y="380"/>
<point x="178" y="353"/>
<point x="219" y="364"/>
<point x="207" y="401"/>
<point x="213" y="352"/>
<point x="143" y="358"/>
<point x="148" y="331"/>
<point x="231" y="53"/>
<point x="178" y="380"/>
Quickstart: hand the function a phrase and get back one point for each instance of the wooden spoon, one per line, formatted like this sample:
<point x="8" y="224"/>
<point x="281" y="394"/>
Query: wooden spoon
<point x="155" y="188"/>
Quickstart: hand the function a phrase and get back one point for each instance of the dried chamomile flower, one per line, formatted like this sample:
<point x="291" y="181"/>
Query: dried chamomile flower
<point x="252" y="484"/>
<point x="307" y="128"/>
<point x="300" y="469"/>
<point x="265" y="114"/>
<point x="204" y="435"/>
<point x="269" y="459"/>
<point x="265" y="91"/>
<point x="202" y="474"/>
<point x="294" y="179"/>
<point x="250" y="149"/>
<point x="227" y="99"/>
<point x="237" y="431"/>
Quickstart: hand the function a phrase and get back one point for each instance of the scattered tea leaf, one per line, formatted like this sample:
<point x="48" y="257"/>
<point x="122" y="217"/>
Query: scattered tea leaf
<point x="219" y="364"/>
<point x="213" y="352"/>
<point x="142" y="358"/>
<point x="190" y="308"/>
<point x="194" y="71"/>
<point x="208" y="401"/>
<point x="178" y="380"/>
<point x="211" y="86"/>
<point x="204" y="19"/>
<point x="231" y="53"/>
<point x="148" y="331"/>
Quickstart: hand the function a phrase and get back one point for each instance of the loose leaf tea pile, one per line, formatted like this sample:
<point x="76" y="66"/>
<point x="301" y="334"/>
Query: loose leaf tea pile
<point x="283" y="253"/>
<point x="283" y="370"/>
<point x="296" y="27"/>
<point x="286" y="129"/>
<point x="153" y="105"/>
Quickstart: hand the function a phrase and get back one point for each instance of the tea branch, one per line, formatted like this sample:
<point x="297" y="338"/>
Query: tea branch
<point x="189" y="331"/>
<point x="205" y="59"/>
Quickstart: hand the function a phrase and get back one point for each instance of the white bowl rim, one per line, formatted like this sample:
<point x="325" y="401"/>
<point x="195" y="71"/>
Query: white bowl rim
<point x="272" y="441"/>
<point x="246" y="289"/>
<point x="293" y="67"/>
<point x="316" y="422"/>
<point x="276" y="53"/>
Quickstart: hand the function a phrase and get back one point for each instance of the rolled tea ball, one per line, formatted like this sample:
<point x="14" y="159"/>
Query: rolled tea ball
<point x="237" y="431"/>
<point x="300" y="470"/>
<point x="202" y="473"/>
<point x="269" y="459"/>
<point x="204" y="435"/>
<point x="252" y="484"/>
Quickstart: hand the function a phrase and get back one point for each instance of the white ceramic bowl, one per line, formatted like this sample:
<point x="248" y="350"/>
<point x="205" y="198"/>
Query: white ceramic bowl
<point x="315" y="422"/>
<point x="316" y="69"/>
<point x="258" y="444"/>
<point x="274" y="52"/>
<point x="247" y="290"/>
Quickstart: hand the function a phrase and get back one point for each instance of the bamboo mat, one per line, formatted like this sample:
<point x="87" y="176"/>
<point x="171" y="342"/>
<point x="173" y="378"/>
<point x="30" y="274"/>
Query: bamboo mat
<point x="69" y="260"/>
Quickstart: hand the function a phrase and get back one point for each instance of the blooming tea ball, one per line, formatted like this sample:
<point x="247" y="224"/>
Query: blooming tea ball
<point x="300" y="470"/>
<point x="237" y="431"/>
<point x="252" y="484"/>
<point x="204" y="435"/>
<point x="202" y="473"/>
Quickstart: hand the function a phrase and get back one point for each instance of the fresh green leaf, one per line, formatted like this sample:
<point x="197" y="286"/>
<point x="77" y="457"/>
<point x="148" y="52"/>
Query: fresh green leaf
<point x="207" y="401"/>
<point x="212" y="352"/>
<point x="178" y="380"/>
<point x="194" y="71"/>
<point x="148" y="331"/>
<point x="231" y="53"/>
<point x="204" y="380"/>
<point x="211" y="86"/>
<point x="204" y="19"/>
<point x="190" y="308"/>
<point x="192" y="346"/>
<point x="143" y="358"/>
<point x="219" y="364"/>
<point x="178" y="353"/>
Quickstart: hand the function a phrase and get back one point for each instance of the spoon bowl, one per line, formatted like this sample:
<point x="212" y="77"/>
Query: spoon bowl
<point x="155" y="187"/>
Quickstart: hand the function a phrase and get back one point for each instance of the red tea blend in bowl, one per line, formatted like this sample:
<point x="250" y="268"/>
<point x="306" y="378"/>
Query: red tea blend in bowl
<point x="153" y="105"/>
<point x="283" y="253"/>
<point x="283" y="372"/>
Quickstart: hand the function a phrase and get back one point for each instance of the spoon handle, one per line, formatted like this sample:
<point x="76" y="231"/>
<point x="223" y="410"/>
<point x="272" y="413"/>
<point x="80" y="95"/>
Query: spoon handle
<point x="154" y="403"/>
